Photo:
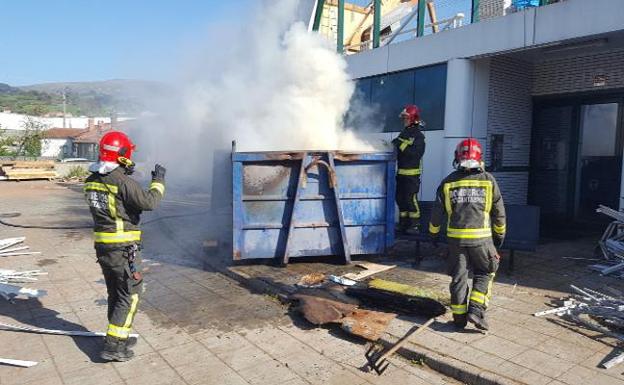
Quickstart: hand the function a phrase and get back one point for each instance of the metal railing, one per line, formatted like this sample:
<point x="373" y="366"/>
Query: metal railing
<point x="412" y="20"/>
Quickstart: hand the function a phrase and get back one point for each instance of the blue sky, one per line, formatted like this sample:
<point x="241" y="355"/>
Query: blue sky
<point x="82" y="40"/>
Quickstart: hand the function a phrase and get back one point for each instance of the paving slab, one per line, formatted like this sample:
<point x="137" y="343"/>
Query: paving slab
<point x="519" y="348"/>
<point x="196" y="325"/>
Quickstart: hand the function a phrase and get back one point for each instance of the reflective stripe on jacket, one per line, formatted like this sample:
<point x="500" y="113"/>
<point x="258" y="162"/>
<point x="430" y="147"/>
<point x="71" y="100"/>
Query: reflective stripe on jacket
<point x="410" y="145"/>
<point x="473" y="206"/>
<point x="116" y="202"/>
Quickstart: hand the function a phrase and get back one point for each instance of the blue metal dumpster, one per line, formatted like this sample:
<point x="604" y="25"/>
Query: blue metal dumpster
<point x="315" y="203"/>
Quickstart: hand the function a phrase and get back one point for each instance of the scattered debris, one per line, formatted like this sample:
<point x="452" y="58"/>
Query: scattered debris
<point x="611" y="244"/>
<point x="8" y="242"/>
<point x="319" y="311"/>
<point x="27" y="329"/>
<point x="13" y="254"/>
<point x="376" y="357"/>
<point x="14" y="249"/>
<point x="596" y="311"/>
<point x="341" y="280"/>
<point x="397" y="297"/>
<point x="24" y="364"/>
<point x="614" y="361"/>
<point x="367" y="324"/>
<point x="9" y="292"/>
<point x="12" y="276"/>
<point x="6" y="250"/>
<point x="311" y="280"/>
<point x="369" y="269"/>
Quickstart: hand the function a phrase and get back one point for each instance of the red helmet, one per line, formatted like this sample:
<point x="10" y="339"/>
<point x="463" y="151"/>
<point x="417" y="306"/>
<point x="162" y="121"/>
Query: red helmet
<point x="412" y="112"/>
<point x="115" y="145"/>
<point x="468" y="154"/>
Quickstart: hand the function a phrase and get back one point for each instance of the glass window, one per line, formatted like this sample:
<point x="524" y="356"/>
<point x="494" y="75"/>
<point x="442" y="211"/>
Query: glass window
<point x="430" y="95"/>
<point x="391" y="93"/>
<point x="599" y="126"/>
<point x="380" y="99"/>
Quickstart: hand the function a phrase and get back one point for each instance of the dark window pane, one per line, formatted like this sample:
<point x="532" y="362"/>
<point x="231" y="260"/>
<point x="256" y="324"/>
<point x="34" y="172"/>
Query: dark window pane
<point x="430" y="95"/>
<point x="362" y="116"/>
<point x="599" y="127"/>
<point x="391" y="93"/>
<point x="378" y="100"/>
<point x="363" y="89"/>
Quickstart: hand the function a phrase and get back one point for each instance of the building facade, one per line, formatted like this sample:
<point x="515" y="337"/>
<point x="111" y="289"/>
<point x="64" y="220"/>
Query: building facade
<point x="542" y="88"/>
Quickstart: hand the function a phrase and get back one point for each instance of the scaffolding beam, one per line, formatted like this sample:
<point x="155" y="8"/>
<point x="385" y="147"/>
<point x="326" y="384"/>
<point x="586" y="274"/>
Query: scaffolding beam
<point x="317" y="16"/>
<point x="376" y="23"/>
<point x="340" y="34"/>
<point x="420" y="29"/>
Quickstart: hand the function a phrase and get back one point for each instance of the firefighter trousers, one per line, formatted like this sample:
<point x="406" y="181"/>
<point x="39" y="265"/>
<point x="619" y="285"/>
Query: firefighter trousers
<point x="407" y="187"/>
<point x="483" y="261"/>
<point x="123" y="289"/>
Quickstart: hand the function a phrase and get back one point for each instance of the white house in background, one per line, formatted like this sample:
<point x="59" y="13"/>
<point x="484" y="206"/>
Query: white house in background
<point x="58" y="142"/>
<point x="11" y="121"/>
<point x="61" y="143"/>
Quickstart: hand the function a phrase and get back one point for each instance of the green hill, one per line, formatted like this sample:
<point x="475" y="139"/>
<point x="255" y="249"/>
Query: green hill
<point x="83" y="98"/>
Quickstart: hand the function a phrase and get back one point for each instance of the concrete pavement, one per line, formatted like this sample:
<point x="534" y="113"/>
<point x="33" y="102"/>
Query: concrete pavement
<point x="196" y="326"/>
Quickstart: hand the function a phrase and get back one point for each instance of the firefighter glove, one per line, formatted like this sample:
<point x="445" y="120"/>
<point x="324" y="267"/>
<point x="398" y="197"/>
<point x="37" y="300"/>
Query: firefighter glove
<point x="159" y="172"/>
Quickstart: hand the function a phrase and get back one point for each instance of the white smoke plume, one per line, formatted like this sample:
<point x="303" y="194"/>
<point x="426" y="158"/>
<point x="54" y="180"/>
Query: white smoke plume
<point x="265" y="82"/>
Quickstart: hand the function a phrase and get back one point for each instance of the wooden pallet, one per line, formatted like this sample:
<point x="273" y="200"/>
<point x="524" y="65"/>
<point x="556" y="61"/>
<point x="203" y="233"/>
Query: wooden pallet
<point x="27" y="170"/>
<point x="43" y="164"/>
<point x="20" y="174"/>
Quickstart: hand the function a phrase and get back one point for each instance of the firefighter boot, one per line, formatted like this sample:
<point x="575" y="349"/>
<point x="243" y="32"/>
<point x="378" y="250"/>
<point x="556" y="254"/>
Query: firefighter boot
<point x="413" y="227"/>
<point x="460" y="321"/>
<point x="403" y="225"/>
<point x="131" y="341"/>
<point x="479" y="321"/>
<point x="116" y="350"/>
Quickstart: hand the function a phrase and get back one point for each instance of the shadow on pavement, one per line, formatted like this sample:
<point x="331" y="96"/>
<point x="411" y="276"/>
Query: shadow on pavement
<point x="50" y="319"/>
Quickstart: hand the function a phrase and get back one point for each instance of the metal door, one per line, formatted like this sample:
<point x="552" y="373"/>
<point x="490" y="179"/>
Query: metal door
<point x="599" y="165"/>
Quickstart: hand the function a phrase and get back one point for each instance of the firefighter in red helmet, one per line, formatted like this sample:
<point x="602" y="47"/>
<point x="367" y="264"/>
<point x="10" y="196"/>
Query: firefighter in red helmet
<point x="410" y="146"/>
<point x="116" y="202"/>
<point x="471" y="201"/>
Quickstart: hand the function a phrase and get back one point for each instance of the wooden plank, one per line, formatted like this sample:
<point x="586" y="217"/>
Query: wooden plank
<point x="367" y="324"/>
<point x="29" y="171"/>
<point x="32" y="175"/>
<point x="370" y="269"/>
<point x="28" y="164"/>
<point x="399" y="298"/>
<point x="432" y="16"/>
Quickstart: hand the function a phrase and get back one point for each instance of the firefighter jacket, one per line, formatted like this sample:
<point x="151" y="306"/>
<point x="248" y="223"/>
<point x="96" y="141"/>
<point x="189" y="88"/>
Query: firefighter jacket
<point x="116" y="202"/>
<point x="410" y="146"/>
<point x="473" y="206"/>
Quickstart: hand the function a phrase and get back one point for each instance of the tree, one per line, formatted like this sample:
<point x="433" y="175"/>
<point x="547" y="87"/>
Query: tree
<point x="30" y="139"/>
<point x="6" y="143"/>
